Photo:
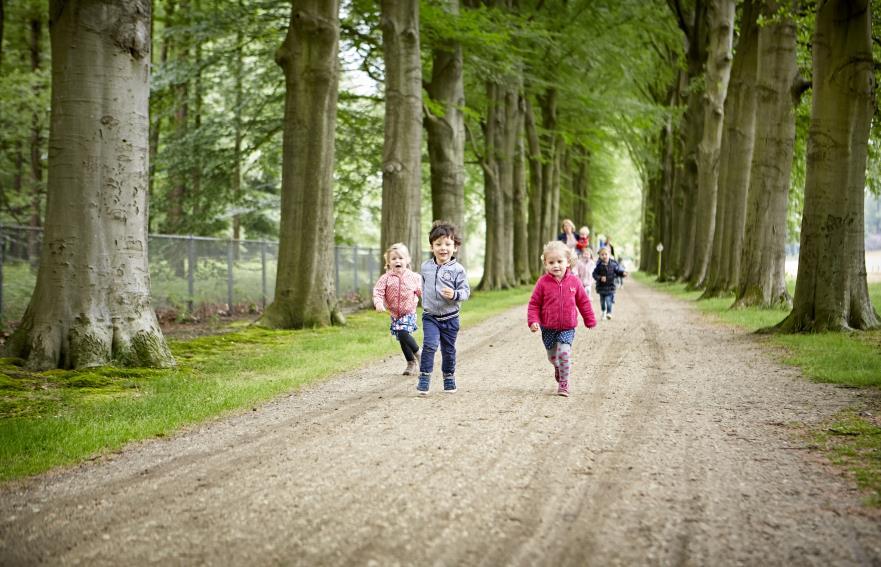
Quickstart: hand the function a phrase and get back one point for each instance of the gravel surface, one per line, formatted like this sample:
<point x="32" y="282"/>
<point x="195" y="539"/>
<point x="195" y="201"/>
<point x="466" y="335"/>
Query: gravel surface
<point x="674" y="449"/>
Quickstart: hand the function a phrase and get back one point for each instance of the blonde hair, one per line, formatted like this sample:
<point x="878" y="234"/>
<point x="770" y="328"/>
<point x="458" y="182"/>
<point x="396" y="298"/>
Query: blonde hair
<point x="558" y="247"/>
<point x="585" y="228"/>
<point x="567" y="222"/>
<point x="402" y="251"/>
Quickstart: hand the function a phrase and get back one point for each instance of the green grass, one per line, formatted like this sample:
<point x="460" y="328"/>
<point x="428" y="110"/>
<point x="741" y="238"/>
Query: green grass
<point x="60" y="417"/>
<point x="852" y="439"/>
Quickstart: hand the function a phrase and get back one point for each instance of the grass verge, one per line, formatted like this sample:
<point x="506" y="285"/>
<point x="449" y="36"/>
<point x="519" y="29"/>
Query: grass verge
<point x="853" y="438"/>
<point x="60" y="417"/>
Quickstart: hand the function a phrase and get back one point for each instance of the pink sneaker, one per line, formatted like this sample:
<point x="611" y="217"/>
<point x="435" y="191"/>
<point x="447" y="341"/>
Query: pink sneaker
<point x="563" y="389"/>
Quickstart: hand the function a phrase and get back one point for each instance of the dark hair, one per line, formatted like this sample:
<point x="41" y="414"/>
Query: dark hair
<point x="441" y="228"/>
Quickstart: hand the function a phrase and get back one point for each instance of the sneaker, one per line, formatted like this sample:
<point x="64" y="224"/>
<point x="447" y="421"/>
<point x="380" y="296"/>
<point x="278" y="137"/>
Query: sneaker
<point x="608" y="315"/>
<point x="603" y="315"/>
<point x="449" y="384"/>
<point x="563" y="389"/>
<point x="422" y="386"/>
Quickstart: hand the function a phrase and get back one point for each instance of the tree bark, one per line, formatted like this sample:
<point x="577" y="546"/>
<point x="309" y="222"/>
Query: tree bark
<point x="178" y="195"/>
<point x="238" y="135"/>
<point x="831" y="293"/>
<point x="446" y="134"/>
<point x="402" y="173"/>
<point x="91" y="303"/>
<point x="581" y="186"/>
<point x="536" y="220"/>
<point x="550" y="162"/>
<point x="522" y="271"/>
<point x="685" y="194"/>
<point x="762" y="279"/>
<point x="735" y="159"/>
<point x="305" y="294"/>
<point x="36" y="143"/>
<point x="720" y="27"/>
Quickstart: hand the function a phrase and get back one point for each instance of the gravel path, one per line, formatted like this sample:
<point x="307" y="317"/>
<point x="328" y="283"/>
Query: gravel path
<point x="673" y="450"/>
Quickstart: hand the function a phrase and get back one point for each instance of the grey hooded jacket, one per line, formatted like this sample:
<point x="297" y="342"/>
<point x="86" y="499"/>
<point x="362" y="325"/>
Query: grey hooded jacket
<point x="434" y="279"/>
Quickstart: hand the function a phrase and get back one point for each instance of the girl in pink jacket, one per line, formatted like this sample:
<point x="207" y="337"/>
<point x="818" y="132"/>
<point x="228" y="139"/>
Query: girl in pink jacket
<point x="557" y="299"/>
<point x="398" y="291"/>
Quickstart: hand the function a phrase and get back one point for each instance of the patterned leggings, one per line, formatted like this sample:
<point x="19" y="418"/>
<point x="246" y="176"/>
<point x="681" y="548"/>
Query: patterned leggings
<point x="560" y="355"/>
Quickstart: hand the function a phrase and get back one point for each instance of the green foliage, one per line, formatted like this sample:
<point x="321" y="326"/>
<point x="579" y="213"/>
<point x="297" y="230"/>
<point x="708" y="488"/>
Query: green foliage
<point x="58" y="417"/>
<point x="852" y="439"/>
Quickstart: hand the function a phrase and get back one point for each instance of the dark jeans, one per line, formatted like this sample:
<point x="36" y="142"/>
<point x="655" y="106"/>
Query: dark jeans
<point x="606" y="301"/>
<point x="436" y="332"/>
<point x="408" y="345"/>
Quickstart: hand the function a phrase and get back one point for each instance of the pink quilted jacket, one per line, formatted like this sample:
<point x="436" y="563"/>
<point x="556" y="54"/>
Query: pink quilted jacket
<point x="555" y="305"/>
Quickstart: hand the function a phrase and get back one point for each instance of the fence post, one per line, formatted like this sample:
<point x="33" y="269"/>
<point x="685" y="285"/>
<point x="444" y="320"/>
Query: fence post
<point x="2" y="259"/>
<point x="263" y="271"/>
<point x="191" y="271"/>
<point x="355" y="267"/>
<point x="336" y="269"/>
<point x="370" y="278"/>
<point x="230" y="262"/>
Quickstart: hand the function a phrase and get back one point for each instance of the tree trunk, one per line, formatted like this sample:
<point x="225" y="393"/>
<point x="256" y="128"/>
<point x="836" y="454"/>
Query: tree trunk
<point x="36" y="142"/>
<point x="176" y="202"/>
<point x="692" y="126"/>
<point x="831" y="293"/>
<point x="91" y="303"/>
<point x="238" y="136"/>
<point x="735" y="159"/>
<point x="522" y="271"/>
<point x="581" y="185"/>
<point x="500" y="135"/>
<point x="401" y="171"/>
<point x="305" y="295"/>
<point x="446" y="134"/>
<point x="536" y="227"/>
<point x="550" y="161"/>
<point x="720" y="26"/>
<point x="762" y="280"/>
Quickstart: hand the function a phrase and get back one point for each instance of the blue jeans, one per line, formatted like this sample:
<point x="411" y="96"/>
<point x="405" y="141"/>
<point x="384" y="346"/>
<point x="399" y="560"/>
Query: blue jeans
<point x="436" y="332"/>
<point x="606" y="301"/>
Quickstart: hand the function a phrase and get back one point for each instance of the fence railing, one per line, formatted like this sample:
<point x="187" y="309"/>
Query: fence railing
<point x="189" y="273"/>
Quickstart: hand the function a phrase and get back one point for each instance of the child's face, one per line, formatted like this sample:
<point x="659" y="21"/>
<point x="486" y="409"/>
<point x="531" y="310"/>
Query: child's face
<point x="443" y="249"/>
<point x="396" y="261"/>
<point x="604" y="255"/>
<point x="556" y="264"/>
<point x="583" y="233"/>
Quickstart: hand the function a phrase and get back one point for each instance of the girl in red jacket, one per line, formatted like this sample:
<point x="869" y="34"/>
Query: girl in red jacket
<point x="556" y="300"/>
<point x="398" y="291"/>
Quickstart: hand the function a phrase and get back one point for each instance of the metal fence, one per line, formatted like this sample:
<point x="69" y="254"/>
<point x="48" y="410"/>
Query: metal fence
<point x="189" y="273"/>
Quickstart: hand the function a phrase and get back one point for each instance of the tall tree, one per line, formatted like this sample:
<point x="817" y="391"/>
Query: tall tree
<point x="762" y="279"/>
<point x="831" y="293"/>
<point x="720" y="30"/>
<point x="305" y="295"/>
<point x="690" y="131"/>
<point x="91" y="304"/>
<point x="735" y="158"/>
<point x="445" y="126"/>
<point x="36" y="141"/>
<point x="401" y="170"/>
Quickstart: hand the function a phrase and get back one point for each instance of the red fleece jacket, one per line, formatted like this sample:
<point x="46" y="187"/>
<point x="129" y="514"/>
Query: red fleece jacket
<point x="555" y="305"/>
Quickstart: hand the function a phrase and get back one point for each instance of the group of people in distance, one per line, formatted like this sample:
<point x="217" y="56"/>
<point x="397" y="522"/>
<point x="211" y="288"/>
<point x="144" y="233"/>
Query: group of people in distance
<point x="559" y="295"/>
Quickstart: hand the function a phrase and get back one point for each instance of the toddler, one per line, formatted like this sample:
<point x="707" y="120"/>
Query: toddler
<point x="583" y="244"/>
<point x="445" y="285"/>
<point x="557" y="299"/>
<point x="397" y="291"/>
<point x="605" y="273"/>
<point x="584" y="267"/>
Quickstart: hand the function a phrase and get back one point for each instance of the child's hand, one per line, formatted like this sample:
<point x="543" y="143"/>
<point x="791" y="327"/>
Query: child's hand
<point x="448" y="293"/>
<point x="602" y="278"/>
<point x="624" y="275"/>
<point x="533" y="327"/>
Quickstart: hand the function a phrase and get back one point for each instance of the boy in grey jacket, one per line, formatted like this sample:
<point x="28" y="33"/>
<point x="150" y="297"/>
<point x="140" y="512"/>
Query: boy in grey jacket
<point x="444" y="286"/>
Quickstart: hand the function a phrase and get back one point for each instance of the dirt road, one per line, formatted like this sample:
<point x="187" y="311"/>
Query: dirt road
<point x="673" y="450"/>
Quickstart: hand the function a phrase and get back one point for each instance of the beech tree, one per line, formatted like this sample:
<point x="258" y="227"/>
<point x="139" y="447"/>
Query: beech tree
<point x="91" y="304"/>
<point x="445" y="126"/>
<point x="735" y="158"/>
<point x="831" y="292"/>
<point x="762" y="279"/>
<point x="401" y="169"/>
<point x="720" y="32"/>
<point x="305" y="295"/>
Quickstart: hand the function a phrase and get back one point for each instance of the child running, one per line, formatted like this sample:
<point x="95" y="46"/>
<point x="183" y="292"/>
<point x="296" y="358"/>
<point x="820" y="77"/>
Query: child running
<point x="605" y="273"/>
<point x="397" y="291"/>
<point x="445" y="285"/>
<point x="584" y="267"/>
<point x="557" y="299"/>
